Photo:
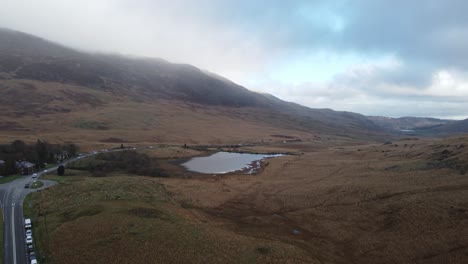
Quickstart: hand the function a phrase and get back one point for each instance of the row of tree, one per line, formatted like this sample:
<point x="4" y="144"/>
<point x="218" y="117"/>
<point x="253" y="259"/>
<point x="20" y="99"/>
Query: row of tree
<point x="128" y="161"/>
<point x="39" y="153"/>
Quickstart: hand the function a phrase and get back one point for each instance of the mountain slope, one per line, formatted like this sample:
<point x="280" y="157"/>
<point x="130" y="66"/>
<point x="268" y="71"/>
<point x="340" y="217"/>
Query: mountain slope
<point x="31" y="58"/>
<point x="421" y="125"/>
<point x="456" y="127"/>
<point x="48" y="88"/>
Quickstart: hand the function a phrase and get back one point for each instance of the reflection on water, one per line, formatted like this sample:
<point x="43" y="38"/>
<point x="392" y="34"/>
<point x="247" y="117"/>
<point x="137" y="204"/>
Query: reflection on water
<point x="224" y="162"/>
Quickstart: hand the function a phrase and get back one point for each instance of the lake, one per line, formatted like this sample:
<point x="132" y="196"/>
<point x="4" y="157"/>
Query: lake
<point x="224" y="162"/>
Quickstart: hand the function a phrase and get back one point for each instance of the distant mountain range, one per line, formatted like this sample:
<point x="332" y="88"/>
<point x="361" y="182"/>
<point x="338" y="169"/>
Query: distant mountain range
<point x="42" y="82"/>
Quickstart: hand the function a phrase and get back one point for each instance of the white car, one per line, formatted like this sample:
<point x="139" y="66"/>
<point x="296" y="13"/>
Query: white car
<point x="27" y="223"/>
<point x="28" y="232"/>
<point x="29" y="240"/>
<point x="33" y="261"/>
<point x="34" y="175"/>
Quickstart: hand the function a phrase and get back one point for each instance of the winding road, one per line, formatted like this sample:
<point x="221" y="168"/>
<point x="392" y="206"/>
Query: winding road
<point x="12" y="196"/>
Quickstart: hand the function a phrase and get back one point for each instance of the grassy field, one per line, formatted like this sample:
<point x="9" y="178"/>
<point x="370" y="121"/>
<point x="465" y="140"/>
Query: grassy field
<point x="403" y="202"/>
<point x="120" y="121"/>
<point x="7" y="179"/>
<point x="134" y="220"/>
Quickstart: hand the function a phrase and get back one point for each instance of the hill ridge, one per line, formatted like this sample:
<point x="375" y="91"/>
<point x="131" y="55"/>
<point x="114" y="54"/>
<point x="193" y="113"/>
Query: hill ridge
<point x="53" y="79"/>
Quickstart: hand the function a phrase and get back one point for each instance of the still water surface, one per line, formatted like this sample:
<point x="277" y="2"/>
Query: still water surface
<point x="224" y="162"/>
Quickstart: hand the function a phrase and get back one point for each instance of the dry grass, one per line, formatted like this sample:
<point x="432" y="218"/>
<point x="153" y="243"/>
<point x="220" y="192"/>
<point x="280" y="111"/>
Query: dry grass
<point x="361" y="204"/>
<point x="99" y="119"/>
<point x="133" y="220"/>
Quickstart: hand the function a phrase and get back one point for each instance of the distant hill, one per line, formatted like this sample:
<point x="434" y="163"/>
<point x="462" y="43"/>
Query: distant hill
<point x="421" y="125"/>
<point x="41" y="81"/>
<point x="454" y="127"/>
<point x="407" y="123"/>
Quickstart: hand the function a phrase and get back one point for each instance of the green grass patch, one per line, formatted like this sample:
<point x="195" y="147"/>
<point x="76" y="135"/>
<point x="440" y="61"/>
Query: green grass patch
<point x="7" y="179"/>
<point x="50" y="165"/>
<point x="70" y="176"/>
<point x="37" y="184"/>
<point x="27" y="206"/>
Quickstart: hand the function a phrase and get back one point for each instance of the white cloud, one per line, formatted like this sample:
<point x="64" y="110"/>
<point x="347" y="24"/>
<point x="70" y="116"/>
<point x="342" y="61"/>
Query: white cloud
<point x="368" y="88"/>
<point x="449" y="83"/>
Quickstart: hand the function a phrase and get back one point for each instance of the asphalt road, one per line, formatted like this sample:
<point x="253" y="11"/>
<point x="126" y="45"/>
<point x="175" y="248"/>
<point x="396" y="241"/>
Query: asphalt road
<point x="12" y="196"/>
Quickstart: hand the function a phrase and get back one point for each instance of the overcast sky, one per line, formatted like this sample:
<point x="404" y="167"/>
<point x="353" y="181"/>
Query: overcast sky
<point x="376" y="57"/>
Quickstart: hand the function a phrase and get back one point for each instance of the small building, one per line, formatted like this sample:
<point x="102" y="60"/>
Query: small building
<point x="25" y="167"/>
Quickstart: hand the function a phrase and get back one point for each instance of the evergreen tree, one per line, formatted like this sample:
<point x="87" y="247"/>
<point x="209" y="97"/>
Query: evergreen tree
<point x="61" y="170"/>
<point x="42" y="152"/>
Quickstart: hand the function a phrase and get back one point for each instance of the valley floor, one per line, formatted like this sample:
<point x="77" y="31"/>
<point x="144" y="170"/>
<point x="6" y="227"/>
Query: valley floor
<point x="401" y="202"/>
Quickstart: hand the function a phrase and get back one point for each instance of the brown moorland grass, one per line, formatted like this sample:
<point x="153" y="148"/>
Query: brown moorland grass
<point x="129" y="219"/>
<point x="95" y="118"/>
<point x="403" y="202"/>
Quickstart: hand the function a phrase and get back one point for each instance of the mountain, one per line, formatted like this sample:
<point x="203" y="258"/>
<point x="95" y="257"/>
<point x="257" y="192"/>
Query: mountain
<point x="56" y="92"/>
<point x="421" y="125"/>
<point x="32" y="58"/>
<point x="454" y="127"/>
<point x="407" y="123"/>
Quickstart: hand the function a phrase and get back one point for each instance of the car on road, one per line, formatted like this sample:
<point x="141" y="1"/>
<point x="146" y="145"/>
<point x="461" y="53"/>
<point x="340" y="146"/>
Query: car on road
<point x="26" y="185"/>
<point x="28" y="232"/>
<point x="33" y="261"/>
<point x="30" y="248"/>
<point x="46" y="170"/>
<point x="29" y="240"/>
<point x="32" y="255"/>
<point x="27" y="223"/>
<point x="34" y="175"/>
